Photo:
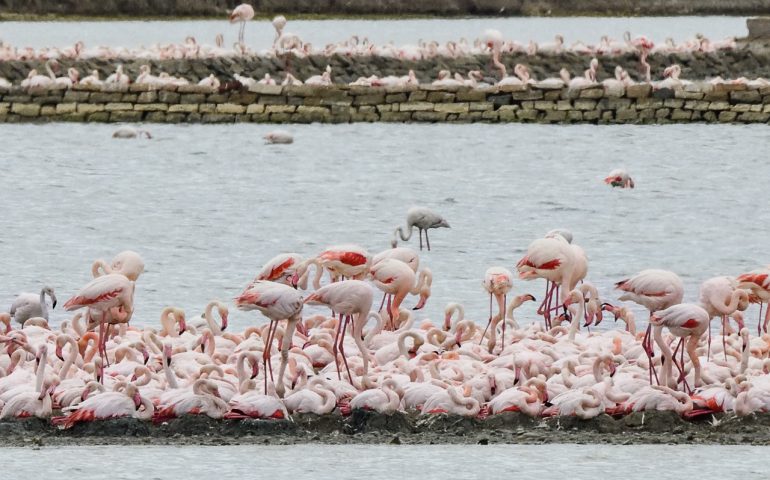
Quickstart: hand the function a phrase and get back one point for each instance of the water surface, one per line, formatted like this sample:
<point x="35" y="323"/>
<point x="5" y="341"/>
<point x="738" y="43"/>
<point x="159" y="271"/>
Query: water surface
<point x="207" y="205"/>
<point x="260" y="34"/>
<point x="300" y="462"/>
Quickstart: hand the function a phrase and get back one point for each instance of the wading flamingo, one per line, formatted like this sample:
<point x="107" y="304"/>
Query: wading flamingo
<point x="28" y="305"/>
<point x="619" y="178"/>
<point x="423" y="218"/>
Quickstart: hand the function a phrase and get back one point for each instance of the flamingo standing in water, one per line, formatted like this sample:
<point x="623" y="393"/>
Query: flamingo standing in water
<point x="353" y="300"/>
<point x="242" y="13"/>
<point x="108" y="298"/>
<point x="757" y="282"/>
<point x="655" y="290"/>
<point x="277" y="302"/>
<point x="29" y="305"/>
<point x="423" y="218"/>
<point x="684" y="320"/>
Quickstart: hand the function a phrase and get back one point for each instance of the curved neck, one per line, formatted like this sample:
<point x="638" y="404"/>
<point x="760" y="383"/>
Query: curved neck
<point x="209" y="317"/>
<point x="41" y="371"/>
<point x="170" y="377"/>
<point x="71" y="358"/>
<point x="576" y="319"/>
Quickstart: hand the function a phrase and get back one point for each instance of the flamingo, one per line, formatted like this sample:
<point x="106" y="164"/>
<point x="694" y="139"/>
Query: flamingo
<point x="423" y="218"/>
<point x="684" y="320"/>
<point x="277" y="302"/>
<point x="397" y="279"/>
<point x="125" y="402"/>
<point x="108" y="298"/>
<point x="498" y="282"/>
<point x="619" y="178"/>
<point x="757" y="282"/>
<point x="118" y="77"/>
<point x="130" y="132"/>
<point x="279" y="137"/>
<point x="345" y="261"/>
<point x="353" y="300"/>
<point x="28" y="305"/>
<point x="655" y="290"/>
<point x="242" y="13"/>
<point x="720" y="296"/>
<point x="494" y="41"/>
<point x="32" y="403"/>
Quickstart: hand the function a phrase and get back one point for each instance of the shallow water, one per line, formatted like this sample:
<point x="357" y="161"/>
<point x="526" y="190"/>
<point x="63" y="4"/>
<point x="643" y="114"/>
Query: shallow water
<point x="207" y="205"/>
<point x="354" y="462"/>
<point x="259" y="34"/>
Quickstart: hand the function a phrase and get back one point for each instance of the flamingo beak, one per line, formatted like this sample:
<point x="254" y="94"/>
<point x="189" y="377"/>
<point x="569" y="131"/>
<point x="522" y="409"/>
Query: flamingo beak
<point x="137" y="400"/>
<point x="53" y="304"/>
<point x="182" y="325"/>
<point x="145" y="355"/>
<point x="254" y="370"/>
<point x="447" y="322"/>
<point x="531" y="297"/>
<point x="224" y="321"/>
<point x="421" y="303"/>
<point x="294" y="280"/>
<point x="134" y="377"/>
<point x="59" y="353"/>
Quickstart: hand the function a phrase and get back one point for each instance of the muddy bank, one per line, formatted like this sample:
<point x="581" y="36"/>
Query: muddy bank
<point x="401" y="428"/>
<point x="747" y="62"/>
<point x="218" y="8"/>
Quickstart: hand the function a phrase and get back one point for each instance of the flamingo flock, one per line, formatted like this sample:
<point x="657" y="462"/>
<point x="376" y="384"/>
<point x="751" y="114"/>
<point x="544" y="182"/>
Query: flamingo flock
<point x="539" y="360"/>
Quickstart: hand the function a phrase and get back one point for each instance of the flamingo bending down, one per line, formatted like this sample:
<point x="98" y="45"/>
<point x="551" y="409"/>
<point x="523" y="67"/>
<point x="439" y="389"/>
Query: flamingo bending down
<point x="397" y="279"/>
<point x="242" y="13"/>
<point x="130" y="132"/>
<point x="757" y="282"/>
<point x="353" y="300"/>
<point x="655" y="290"/>
<point x="619" y="178"/>
<point x="279" y="137"/>
<point x="342" y="261"/>
<point x="277" y="302"/>
<point x="684" y="320"/>
<point x="28" y="305"/>
<point x="423" y="218"/>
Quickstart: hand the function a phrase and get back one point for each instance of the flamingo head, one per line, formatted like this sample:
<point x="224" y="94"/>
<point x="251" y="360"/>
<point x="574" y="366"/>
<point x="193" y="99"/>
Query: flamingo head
<point x="224" y="313"/>
<point x="59" y="352"/>
<point x="294" y="280"/>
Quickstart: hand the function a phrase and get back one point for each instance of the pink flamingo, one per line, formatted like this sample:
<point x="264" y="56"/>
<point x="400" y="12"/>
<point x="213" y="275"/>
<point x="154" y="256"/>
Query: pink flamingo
<point x="109" y="299"/>
<point x="655" y="290"/>
<point x="342" y="261"/>
<point x="721" y="297"/>
<point x="494" y="41"/>
<point x="757" y="282"/>
<point x="126" y="402"/>
<point x="350" y="298"/>
<point x="242" y="13"/>
<point x="684" y="320"/>
<point x="277" y="302"/>
<point x="498" y="282"/>
<point x="619" y="178"/>
<point x="397" y="279"/>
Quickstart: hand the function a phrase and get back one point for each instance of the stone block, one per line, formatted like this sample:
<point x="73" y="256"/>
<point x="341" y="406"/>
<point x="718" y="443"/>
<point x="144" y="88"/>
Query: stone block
<point x="727" y="116"/>
<point x="231" y="108"/>
<point x="165" y="96"/>
<point x="101" y="97"/>
<point x="451" y="107"/>
<point x="480" y="106"/>
<point x="75" y="96"/>
<point x="270" y="89"/>
<point x="395" y="98"/>
<point x="585" y="104"/>
<point x="243" y="98"/>
<point x="125" y="116"/>
<point x="152" y="107"/>
<point x="592" y="93"/>
<point x="418" y="96"/>
<point x="182" y="108"/>
<point x="662" y="113"/>
<point x="312" y="114"/>
<point x="89" y="107"/>
<point x="470" y="95"/>
<point x="673" y="103"/>
<point x="640" y="90"/>
<point x="441" y="97"/>
<point x="544" y="105"/>
<point x="678" y="115"/>
<point x="64" y="108"/>
<point x="255" y="108"/>
<point x="372" y="99"/>
<point x="192" y="98"/>
<point x="147" y="97"/>
<point x="696" y="105"/>
<point x="524" y="114"/>
<point x="206" y="108"/>
<point x="217" y="118"/>
<point x="101" y="117"/>
<point x="118" y="107"/>
<point x="565" y="105"/>
<point x="523" y="95"/>
<point x="416" y="107"/>
<point x="555" y="116"/>
<point x="395" y="116"/>
<point x="626" y="115"/>
<point x="746" y="96"/>
<point x="753" y="117"/>
<point x="422" y="116"/>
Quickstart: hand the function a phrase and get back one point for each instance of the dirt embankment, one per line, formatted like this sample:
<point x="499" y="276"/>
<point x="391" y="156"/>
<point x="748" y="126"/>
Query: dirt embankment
<point x="370" y="428"/>
<point x="205" y="8"/>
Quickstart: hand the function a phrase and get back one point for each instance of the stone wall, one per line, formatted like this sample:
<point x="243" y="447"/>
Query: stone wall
<point x="341" y="104"/>
<point x="154" y="8"/>
<point x="746" y="62"/>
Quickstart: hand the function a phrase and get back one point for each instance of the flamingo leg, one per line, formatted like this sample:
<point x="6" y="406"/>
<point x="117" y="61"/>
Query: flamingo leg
<point x="420" y="230"/>
<point x="427" y="240"/>
<point x="648" y="349"/>
<point x="101" y="342"/>
<point x="759" y="320"/>
<point x="489" y="322"/>
<point x="767" y="319"/>
<point x="724" y="341"/>
<point x="391" y="320"/>
<point x="382" y="304"/>
<point x="502" y="314"/>
<point x="708" y="347"/>
<point x="335" y="348"/>
<point x="342" y="347"/>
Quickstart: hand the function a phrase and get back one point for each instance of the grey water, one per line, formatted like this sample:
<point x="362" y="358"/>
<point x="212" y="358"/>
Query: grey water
<point x="207" y="205"/>
<point x="637" y="462"/>
<point x="260" y="34"/>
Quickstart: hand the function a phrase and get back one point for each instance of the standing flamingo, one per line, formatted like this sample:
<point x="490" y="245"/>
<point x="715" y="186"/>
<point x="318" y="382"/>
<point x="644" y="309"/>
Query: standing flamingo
<point x="397" y="279"/>
<point x="342" y="262"/>
<point x="423" y="218"/>
<point x="108" y="298"/>
<point x="721" y="297"/>
<point x="353" y="300"/>
<point x="277" y="302"/>
<point x="655" y="290"/>
<point x="494" y="41"/>
<point x="242" y="13"/>
<point x="498" y="282"/>
<point x="757" y="282"/>
<point x="684" y="320"/>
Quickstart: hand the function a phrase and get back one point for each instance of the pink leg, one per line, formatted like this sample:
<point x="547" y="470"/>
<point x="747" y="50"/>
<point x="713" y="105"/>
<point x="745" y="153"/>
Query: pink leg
<point x="335" y="347"/>
<point x="724" y="342"/>
<point x="502" y="314"/>
<point x="489" y="322"/>
<point x="342" y="347"/>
